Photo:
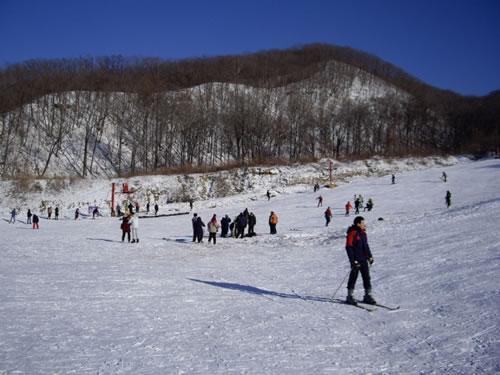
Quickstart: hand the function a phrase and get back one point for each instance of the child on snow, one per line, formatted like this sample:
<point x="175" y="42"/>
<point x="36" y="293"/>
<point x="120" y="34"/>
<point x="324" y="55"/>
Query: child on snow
<point x="125" y="227"/>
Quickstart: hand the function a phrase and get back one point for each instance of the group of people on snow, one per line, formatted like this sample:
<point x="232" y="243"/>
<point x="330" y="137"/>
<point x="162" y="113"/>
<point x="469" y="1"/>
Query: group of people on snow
<point x="56" y="213"/>
<point x="31" y="218"/>
<point x="244" y="222"/>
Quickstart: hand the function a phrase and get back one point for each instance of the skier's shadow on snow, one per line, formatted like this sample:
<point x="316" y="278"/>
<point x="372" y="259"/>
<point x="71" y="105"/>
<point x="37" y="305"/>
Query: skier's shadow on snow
<point x="492" y="166"/>
<point x="178" y="240"/>
<point x="103" y="239"/>
<point x="262" y="292"/>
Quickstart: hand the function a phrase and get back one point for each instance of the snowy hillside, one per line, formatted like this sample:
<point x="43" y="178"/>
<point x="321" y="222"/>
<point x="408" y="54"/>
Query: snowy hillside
<point x="86" y="133"/>
<point x="173" y="191"/>
<point x="75" y="299"/>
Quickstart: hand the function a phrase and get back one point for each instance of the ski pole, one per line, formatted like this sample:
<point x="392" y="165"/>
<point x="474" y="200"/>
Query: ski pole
<point x="342" y="282"/>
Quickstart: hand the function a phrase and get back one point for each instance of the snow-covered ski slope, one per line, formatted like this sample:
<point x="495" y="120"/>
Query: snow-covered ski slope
<point x="74" y="299"/>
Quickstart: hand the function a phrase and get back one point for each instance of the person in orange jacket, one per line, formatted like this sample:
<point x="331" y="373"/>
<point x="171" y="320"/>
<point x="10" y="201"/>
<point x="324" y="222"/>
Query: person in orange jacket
<point x="348" y="208"/>
<point x="273" y="220"/>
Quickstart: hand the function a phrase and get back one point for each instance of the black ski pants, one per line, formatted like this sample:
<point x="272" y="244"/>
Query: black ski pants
<point x="272" y="227"/>
<point x="125" y="233"/>
<point x="365" y="274"/>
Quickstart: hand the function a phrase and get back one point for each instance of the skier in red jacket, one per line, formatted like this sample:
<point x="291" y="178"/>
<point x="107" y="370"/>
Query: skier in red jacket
<point x="360" y="258"/>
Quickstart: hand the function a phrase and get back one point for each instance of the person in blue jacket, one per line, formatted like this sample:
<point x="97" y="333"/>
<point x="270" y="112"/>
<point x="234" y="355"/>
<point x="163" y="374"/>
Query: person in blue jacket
<point x="361" y="258"/>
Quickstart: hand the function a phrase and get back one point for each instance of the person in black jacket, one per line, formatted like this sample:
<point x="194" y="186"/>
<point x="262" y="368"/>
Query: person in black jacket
<point x="198" y="229"/>
<point x="448" y="198"/>
<point x="35" y="221"/>
<point x="252" y="221"/>
<point x="224" y="225"/>
<point x="361" y="258"/>
<point x="193" y="221"/>
<point x="241" y="225"/>
<point x="28" y="214"/>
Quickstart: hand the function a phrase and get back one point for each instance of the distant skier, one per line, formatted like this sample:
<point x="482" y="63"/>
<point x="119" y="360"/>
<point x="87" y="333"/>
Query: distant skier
<point x="393" y="179"/>
<point x="137" y="207"/>
<point x="156" y="209"/>
<point x="134" y="225"/>
<point x="118" y="210"/>
<point x="444" y="177"/>
<point x="13" y="214"/>
<point x="56" y="212"/>
<point x="29" y="215"/>
<point x="35" y="221"/>
<point x="369" y="205"/>
<point x="147" y="208"/>
<point x="360" y="257"/>
<point x="213" y="227"/>
<point x="49" y="212"/>
<point x="320" y="201"/>
<point x="125" y="227"/>
<point x="95" y="212"/>
<point x="273" y="221"/>
<point x="448" y="198"/>
<point x="77" y="213"/>
<point x="268" y="194"/>
<point x="224" y="226"/>
<point x="190" y="205"/>
<point x="328" y="215"/>
<point x="357" y="203"/>
<point x="348" y="208"/>
<point x="193" y="222"/>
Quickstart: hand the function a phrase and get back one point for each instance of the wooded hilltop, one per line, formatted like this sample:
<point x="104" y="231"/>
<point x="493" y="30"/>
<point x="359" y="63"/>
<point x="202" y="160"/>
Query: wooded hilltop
<point x="120" y="116"/>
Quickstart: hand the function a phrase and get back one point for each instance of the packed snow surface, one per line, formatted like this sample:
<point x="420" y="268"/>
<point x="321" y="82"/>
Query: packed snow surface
<point x="75" y="299"/>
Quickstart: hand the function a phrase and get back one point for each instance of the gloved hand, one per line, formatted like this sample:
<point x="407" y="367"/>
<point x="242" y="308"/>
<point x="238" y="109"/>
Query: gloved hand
<point x="355" y="265"/>
<point x="370" y="260"/>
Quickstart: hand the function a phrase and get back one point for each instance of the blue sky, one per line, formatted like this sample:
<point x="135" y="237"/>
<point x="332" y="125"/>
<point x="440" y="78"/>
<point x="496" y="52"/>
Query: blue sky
<point x="449" y="44"/>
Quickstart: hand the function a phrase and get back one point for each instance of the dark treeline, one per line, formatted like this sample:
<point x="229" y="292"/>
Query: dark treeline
<point x="21" y="83"/>
<point x="282" y="104"/>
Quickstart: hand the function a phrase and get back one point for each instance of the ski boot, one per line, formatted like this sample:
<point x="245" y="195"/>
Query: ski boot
<point x="350" y="300"/>
<point x="368" y="299"/>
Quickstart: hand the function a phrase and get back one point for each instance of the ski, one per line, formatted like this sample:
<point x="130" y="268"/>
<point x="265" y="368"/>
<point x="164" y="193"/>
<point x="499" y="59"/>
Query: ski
<point x="391" y="308"/>
<point x="362" y="307"/>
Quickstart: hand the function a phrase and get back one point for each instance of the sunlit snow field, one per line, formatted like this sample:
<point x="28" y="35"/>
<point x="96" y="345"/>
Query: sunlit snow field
<point x="75" y="299"/>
